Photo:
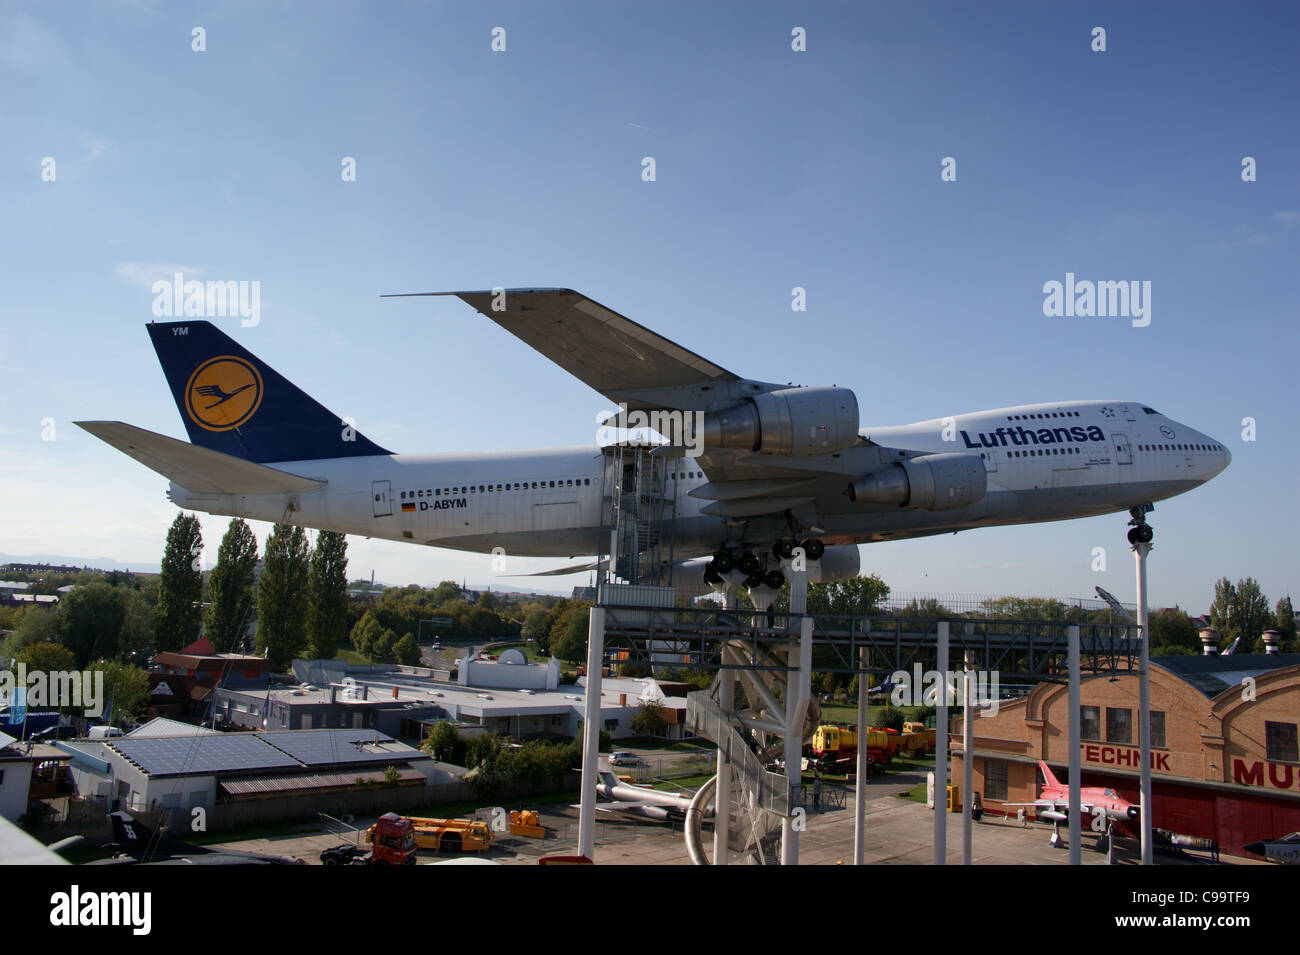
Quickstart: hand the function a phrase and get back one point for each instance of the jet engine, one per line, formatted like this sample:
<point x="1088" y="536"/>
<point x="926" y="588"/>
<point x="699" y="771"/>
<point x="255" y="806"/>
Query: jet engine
<point x="837" y="563"/>
<point x="796" y="421"/>
<point x="936" y="482"/>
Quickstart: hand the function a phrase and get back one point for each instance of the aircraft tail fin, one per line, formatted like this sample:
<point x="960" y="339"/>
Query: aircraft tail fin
<point x="1049" y="778"/>
<point x="235" y="403"/>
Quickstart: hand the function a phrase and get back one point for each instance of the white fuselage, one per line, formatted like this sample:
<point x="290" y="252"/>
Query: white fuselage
<point x="1044" y="462"/>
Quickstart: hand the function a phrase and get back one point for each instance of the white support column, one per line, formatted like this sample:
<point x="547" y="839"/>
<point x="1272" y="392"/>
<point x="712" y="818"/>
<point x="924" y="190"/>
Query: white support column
<point x="941" y="753"/>
<point x="967" y="757"/>
<point x="1076" y="798"/>
<point x="860" y="772"/>
<point x="797" y="690"/>
<point x="1140" y="552"/>
<point x="591" y="734"/>
<point x="722" y="791"/>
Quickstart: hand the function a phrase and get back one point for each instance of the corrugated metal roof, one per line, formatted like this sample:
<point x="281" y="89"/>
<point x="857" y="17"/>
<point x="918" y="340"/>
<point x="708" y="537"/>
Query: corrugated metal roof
<point x="1212" y="675"/>
<point x="258" y="785"/>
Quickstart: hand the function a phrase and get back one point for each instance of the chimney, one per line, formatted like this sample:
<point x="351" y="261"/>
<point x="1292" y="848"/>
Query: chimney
<point x="394" y="692"/>
<point x="1272" y="642"/>
<point x="622" y="699"/>
<point x="1210" y="642"/>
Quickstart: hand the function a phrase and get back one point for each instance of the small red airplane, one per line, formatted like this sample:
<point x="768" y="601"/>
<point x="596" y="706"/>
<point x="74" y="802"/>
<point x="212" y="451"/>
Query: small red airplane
<point x="1104" y="805"/>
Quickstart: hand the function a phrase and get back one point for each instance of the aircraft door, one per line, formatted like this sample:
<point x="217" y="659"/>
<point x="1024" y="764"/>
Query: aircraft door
<point x="1123" y="450"/>
<point x="381" y="492"/>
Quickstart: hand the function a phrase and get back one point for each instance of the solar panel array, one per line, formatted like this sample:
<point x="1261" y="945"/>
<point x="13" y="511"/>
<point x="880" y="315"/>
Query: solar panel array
<point x="168" y="755"/>
<point x="324" y="746"/>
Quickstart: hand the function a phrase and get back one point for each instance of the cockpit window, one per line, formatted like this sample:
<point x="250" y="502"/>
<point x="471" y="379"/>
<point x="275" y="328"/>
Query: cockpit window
<point x="1151" y="411"/>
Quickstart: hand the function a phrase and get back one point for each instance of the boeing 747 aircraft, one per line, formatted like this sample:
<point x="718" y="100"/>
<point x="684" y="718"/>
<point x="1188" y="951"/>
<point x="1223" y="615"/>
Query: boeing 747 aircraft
<point x="755" y="469"/>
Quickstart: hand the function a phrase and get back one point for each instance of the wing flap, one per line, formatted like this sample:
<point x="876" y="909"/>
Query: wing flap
<point x="194" y="468"/>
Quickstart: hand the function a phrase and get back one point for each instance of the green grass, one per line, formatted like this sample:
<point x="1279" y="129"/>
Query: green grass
<point x="844" y="713"/>
<point x="351" y="656"/>
<point x="678" y="783"/>
<point x="672" y="746"/>
<point x="915" y="794"/>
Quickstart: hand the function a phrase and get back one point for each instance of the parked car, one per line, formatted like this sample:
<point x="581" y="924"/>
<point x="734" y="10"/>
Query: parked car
<point x="624" y="758"/>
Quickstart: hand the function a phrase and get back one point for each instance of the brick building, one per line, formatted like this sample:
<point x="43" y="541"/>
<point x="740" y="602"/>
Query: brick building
<point x="1224" y="754"/>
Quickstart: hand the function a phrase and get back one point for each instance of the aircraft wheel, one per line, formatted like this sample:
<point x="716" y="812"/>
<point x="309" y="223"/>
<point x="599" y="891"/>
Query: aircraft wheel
<point x="784" y="549"/>
<point x="1144" y="533"/>
<point x="748" y="563"/>
<point x="754" y="580"/>
<point x="775" y="579"/>
<point x="814" y="548"/>
<point x="711" y="576"/>
<point x="722" y="562"/>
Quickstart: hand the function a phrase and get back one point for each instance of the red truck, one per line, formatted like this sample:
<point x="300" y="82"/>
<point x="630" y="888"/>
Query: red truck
<point x="392" y="843"/>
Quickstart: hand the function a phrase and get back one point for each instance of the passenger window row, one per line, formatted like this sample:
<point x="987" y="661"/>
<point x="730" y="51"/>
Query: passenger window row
<point x="489" y="488"/>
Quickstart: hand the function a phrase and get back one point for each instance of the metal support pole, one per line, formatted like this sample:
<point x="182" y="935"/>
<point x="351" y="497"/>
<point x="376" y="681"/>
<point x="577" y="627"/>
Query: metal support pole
<point x="797" y="687"/>
<point x="722" y="790"/>
<point x="967" y="758"/>
<point x="1140" y="552"/>
<point x="1076" y="797"/>
<point x="591" y="734"/>
<point x="941" y="753"/>
<point x="860" y="785"/>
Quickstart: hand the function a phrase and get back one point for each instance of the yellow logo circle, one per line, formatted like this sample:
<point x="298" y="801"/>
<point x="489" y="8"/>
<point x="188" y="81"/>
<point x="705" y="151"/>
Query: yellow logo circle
<point x="223" y="393"/>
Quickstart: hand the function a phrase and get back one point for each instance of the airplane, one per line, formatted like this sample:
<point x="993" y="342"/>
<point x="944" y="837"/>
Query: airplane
<point x="1106" y="806"/>
<point x="641" y="800"/>
<point x="1285" y="849"/>
<point x="755" y="471"/>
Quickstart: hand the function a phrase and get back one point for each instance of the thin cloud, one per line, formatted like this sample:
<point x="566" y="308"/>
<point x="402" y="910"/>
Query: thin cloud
<point x="144" y="274"/>
<point x="1288" y="217"/>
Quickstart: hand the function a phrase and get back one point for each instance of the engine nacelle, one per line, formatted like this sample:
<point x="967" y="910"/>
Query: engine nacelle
<point x="796" y="421"/>
<point x="935" y="482"/>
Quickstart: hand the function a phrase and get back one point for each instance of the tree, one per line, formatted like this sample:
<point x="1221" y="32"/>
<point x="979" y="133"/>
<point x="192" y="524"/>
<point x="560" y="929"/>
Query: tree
<point x="48" y="658"/>
<point x="852" y="597"/>
<point x="230" y="588"/>
<point x="649" y="720"/>
<point x="365" y="633"/>
<point x="91" y="618"/>
<point x="38" y="625"/>
<point x="384" y="646"/>
<point x="569" y="635"/>
<point x="180" y="586"/>
<point x="327" y="601"/>
<point x="1284" y="620"/>
<point x="282" y="596"/>
<point x="445" y="744"/>
<point x="407" y="652"/>
<point x="1171" y="629"/>
<point x="126" y="686"/>
<point x="1240" y="611"/>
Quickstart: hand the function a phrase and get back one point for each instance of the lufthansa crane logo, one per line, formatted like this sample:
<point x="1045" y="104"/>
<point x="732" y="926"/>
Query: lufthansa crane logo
<point x="223" y="393"/>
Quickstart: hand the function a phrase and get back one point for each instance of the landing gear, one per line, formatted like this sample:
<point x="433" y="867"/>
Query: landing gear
<point x="814" y="548"/>
<point x="784" y="549"/>
<point x="749" y="563"/>
<point x="774" y="579"/>
<point x="1140" y="531"/>
<point x="722" y="562"/>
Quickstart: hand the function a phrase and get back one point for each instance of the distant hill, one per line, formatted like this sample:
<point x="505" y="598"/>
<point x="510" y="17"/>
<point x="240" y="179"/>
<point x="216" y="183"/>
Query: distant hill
<point x="89" y="563"/>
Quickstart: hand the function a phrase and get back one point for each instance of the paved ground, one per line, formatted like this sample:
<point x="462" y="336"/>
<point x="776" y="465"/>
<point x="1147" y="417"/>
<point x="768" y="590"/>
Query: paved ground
<point x="898" y="832"/>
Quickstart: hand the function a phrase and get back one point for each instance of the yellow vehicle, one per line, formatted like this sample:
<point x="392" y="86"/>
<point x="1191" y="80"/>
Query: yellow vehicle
<point x="449" y="835"/>
<point x="921" y="738"/>
<point x="526" y="823"/>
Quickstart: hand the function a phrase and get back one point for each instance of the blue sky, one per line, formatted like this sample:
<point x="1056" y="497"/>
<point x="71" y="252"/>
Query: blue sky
<point x="774" y="169"/>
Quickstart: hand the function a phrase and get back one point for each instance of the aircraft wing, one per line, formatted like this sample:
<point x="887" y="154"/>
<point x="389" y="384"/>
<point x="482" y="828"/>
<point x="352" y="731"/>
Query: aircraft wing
<point x="598" y="346"/>
<point x="644" y="371"/>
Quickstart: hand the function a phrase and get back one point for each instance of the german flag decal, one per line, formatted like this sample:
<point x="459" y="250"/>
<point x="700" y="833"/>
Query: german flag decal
<point x="408" y="507"/>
